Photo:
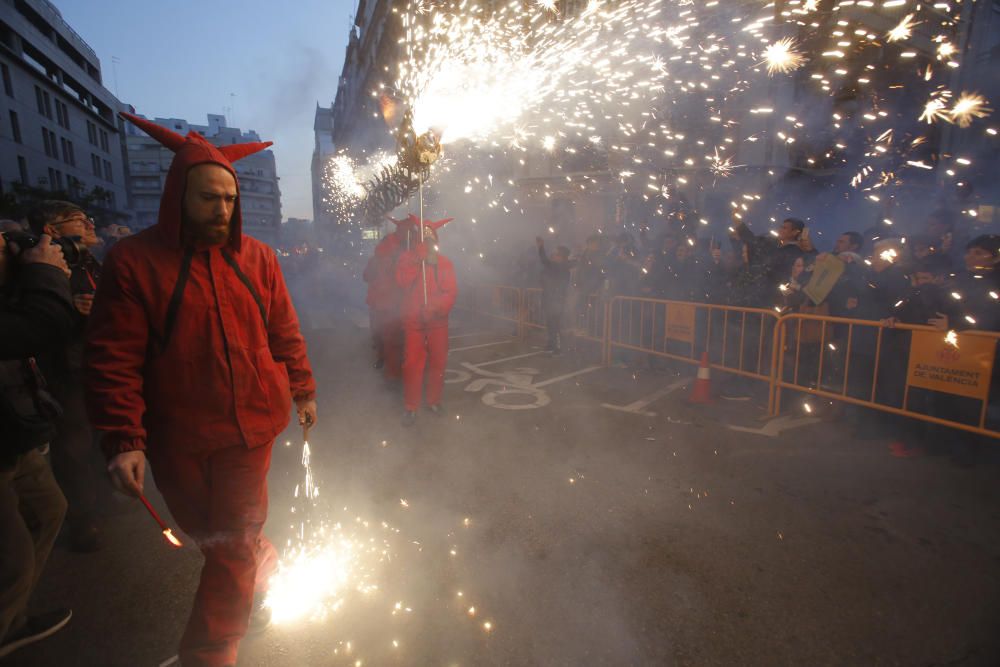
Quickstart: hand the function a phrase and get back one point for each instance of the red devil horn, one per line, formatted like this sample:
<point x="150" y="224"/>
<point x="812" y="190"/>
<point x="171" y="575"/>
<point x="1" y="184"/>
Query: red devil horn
<point x="234" y="152"/>
<point x="168" y="138"/>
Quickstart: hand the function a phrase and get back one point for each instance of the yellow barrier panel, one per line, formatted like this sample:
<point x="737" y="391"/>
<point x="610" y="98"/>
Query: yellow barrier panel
<point x="909" y="370"/>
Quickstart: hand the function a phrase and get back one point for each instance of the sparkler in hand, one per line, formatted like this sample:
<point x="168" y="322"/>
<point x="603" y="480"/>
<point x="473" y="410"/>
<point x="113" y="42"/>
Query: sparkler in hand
<point x="164" y="528"/>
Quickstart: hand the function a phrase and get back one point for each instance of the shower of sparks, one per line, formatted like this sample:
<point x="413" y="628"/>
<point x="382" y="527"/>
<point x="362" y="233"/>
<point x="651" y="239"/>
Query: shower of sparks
<point x="902" y="31"/>
<point x="345" y="179"/>
<point x="337" y="562"/>
<point x="781" y="57"/>
<point x="967" y="107"/>
<point x="473" y="75"/>
<point x="721" y="166"/>
<point x="951" y="338"/>
<point x="937" y="108"/>
<point x="639" y="88"/>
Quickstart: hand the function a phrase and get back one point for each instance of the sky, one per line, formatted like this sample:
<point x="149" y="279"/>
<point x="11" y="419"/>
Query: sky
<point x="182" y="59"/>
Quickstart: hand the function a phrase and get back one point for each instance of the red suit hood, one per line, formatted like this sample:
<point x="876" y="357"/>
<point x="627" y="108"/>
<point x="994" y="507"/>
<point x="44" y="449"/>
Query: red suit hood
<point x="190" y="151"/>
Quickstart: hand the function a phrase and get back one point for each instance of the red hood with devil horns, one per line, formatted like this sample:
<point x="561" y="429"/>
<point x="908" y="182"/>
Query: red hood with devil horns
<point x="190" y="151"/>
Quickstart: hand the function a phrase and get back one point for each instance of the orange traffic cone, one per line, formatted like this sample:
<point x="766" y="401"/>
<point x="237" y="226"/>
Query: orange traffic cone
<point x="701" y="391"/>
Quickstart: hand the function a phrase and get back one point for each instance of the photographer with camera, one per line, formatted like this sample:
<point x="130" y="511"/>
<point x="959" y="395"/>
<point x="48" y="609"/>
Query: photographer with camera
<point x="76" y="461"/>
<point x="36" y="314"/>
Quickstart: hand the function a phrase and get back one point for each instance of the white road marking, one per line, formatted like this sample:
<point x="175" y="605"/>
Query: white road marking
<point x="636" y="407"/>
<point x="500" y="361"/>
<point x="777" y="425"/>
<point x="560" y="378"/>
<point x="473" y="347"/>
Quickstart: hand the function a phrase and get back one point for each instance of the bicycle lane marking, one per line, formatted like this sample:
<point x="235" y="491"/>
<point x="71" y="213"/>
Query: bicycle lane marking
<point x="637" y="407"/>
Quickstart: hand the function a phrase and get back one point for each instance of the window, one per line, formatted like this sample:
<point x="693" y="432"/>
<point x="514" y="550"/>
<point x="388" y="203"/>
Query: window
<point x="62" y="114"/>
<point x="8" y="87"/>
<point x="104" y="141"/>
<point x="95" y="164"/>
<point x="51" y="146"/>
<point x="59" y="180"/>
<point x="15" y="127"/>
<point x="92" y="133"/>
<point x="44" y="102"/>
<point x="22" y="166"/>
<point x="108" y="176"/>
<point x="72" y="154"/>
<point x="52" y="178"/>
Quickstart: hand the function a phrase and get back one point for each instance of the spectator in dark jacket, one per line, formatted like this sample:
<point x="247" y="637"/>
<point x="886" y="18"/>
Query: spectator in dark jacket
<point x="927" y="301"/>
<point x="555" y="288"/>
<point x="978" y="286"/>
<point x="76" y="461"/>
<point x="36" y="312"/>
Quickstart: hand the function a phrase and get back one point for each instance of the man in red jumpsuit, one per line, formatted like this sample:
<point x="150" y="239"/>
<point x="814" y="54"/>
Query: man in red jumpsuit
<point x="193" y="358"/>
<point x="384" y="297"/>
<point x="426" y="305"/>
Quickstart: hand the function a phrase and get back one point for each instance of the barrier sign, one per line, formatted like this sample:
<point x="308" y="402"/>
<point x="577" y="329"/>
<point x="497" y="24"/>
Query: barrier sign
<point x="962" y="369"/>
<point x="680" y="322"/>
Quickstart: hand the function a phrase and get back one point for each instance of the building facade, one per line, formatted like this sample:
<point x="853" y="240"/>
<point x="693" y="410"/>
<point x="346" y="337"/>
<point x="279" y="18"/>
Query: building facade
<point x="323" y="151"/>
<point x="59" y="125"/>
<point x="260" y="195"/>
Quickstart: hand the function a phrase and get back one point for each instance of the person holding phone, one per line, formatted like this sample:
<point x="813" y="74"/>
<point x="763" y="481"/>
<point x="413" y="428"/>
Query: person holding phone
<point x="76" y="460"/>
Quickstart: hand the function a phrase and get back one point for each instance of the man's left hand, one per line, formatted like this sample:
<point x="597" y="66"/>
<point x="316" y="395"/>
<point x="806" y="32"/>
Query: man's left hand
<point x="307" y="413"/>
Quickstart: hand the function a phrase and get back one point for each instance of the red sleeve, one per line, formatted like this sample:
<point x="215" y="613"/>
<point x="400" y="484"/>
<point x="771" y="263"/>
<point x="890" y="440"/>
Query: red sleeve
<point x="115" y="354"/>
<point x="444" y="300"/>
<point x="284" y="337"/>
<point x="408" y="267"/>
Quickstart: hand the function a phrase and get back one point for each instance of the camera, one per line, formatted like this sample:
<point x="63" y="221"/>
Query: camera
<point x="71" y="247"/>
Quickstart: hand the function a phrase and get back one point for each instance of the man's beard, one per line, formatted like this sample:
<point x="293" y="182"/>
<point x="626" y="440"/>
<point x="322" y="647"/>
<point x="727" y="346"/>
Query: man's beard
<point x="206" y="231"/>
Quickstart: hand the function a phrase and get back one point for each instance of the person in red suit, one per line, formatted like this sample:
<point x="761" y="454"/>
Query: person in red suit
<point x="429" y="291"/>
<point x="193" y="358"/>
<point x="383" y="299"/>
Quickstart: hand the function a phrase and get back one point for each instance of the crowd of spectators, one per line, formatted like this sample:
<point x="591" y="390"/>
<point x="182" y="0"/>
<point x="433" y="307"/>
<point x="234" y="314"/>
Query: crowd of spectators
<point x="924" y="279"/>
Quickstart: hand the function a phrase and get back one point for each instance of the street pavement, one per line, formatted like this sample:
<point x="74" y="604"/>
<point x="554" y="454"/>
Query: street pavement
<point x="563" y="513"/>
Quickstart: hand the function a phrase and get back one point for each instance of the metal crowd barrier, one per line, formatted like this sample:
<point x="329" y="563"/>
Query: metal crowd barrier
<point x="500" y="302"/>
<point x="908" y="370"/>
<point x="737" y="340"/>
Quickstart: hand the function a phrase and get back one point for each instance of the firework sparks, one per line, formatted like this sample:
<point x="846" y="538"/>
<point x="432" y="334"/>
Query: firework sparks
<point x="781" y="57"/>
<point x="967" y="107"/>
<point x="888" y="255"/>
<point x="903" y="30"/>
<point x="951" y="338"/>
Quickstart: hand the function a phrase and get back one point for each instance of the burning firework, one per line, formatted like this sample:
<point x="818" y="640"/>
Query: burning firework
<point x="967" y="107"/>
<point x="168" y="534"/>
<point x="903" y="30"/>
<point x="781" y="57"/>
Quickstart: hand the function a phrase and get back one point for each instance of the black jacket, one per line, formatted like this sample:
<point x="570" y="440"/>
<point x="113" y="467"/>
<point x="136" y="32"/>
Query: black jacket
<point x="36" y="314"/>
<point x="555" y="279"/>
